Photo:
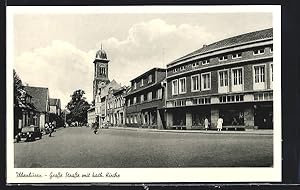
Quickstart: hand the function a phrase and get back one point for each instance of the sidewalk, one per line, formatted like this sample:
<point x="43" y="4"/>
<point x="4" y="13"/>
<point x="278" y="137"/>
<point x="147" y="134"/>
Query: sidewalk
<point x="251" y="132"/>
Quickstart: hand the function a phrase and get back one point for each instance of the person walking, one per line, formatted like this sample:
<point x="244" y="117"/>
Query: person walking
<point x="220" y="124"/>
<point x="50" y="129"/>
<point x="96" y="127"/>
<point x="206" y="123"/>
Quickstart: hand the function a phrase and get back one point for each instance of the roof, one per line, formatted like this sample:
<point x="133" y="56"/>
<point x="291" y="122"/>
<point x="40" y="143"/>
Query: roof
<point x="149" y="71"/>
<point x="229" y="42"/>
<point x="120" y="90"/>
<point x="113" y="84"/>
<point x="39" y="97"/>
<point x="54" y="102"/>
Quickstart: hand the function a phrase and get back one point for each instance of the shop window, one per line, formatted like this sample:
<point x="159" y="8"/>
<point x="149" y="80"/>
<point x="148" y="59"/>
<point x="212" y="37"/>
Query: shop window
<point x="179" y="118"/>
<point x="232" y="117"/>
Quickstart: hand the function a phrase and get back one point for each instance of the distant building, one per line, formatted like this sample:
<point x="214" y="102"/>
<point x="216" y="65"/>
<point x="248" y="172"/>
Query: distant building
<point x="115" y="106"/>
<point x="91" y="116"/>
<point x="145" y="100"/>
<point x="55" y="106"/>
<point x="102" y="99"/>
<point x="231" y="78"/>
<point x="40" y="99"/>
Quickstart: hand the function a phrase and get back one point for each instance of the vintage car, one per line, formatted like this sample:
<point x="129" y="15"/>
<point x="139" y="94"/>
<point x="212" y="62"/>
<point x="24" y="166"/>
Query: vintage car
<point x="29" y="133"/>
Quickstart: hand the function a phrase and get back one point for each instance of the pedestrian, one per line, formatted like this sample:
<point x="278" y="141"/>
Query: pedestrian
<point x="220" y="124"/>
<point x="96" y="127"/>
<point x="50" y="129"/>
<point x="206" y="123"/>
<point x="46" y="128"/>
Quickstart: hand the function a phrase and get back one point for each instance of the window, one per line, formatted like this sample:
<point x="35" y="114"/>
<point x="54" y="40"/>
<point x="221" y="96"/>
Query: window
<point x="175" y="70"/>
<point x="205" y="100"/>
<point x="150" y="79"/>
<point x="195" y="64"/>
<point x="237" y="76"/>
<point x="195" y="83"/>
<point x="271" y="75"/>
<point x="181" y="102"/>
<point x="134" y="85"/>
<point x="134" y="100"/>
<point x="182" y="85"/>
<point x="182" y="68"/>
<point x="205" y="62"/>
<point x="128" y="102"/>
<point x="258" y="51"/>
<point x="142" y="98"/>
<point x="223" y="58"/>
<point x="271" y="49"/>
<point x="159" y="93"/>
<point x="142" y="82"/>
<point x="175" y="87"/>
<point x="231" y="98"/>
<point x="263" y="96"/>
<point x="131" y="119"/>
<point x="149" y="96"/>
<point x="259" y="74"/>
<point x="127" y="119"/>
<point x="135" y="119"/>
<point x="223" y="78"/>
<point x="205" y="77"/>
<point x="236" y="55"/>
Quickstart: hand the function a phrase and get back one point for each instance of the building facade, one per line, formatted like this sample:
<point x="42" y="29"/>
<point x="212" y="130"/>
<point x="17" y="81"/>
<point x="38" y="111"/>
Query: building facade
<point x="40" y="99"/>
<point x="55" y="106"/>
<point x="145" y="100"/>
<point x="231" y="79"/>
<point x="115" y="106"/>
<point x="91" y="116"/>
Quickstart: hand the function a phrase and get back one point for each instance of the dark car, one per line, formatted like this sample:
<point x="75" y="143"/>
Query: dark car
<point x="29" y="133"/>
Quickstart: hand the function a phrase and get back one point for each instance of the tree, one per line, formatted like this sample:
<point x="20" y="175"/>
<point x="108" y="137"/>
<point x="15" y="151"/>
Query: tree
<point x="18" y="88"/>
<point x="78" y="107"/>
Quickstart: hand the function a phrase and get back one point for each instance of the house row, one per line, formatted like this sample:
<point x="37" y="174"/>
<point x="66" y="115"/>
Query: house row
<point x="231" y="79"/>
<point x="36" y="108"/>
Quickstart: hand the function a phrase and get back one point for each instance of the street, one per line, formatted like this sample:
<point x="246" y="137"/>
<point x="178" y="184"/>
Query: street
<point x="79" y="147"/>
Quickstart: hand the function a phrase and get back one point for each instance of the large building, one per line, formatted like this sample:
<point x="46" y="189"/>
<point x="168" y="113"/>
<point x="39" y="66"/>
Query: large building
<point x="55" y="106"/>
<point x="231" y="78"/>
<point x="145" y="100"/>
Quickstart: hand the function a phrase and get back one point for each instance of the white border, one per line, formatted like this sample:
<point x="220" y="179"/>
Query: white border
<point x="142" y="175"/>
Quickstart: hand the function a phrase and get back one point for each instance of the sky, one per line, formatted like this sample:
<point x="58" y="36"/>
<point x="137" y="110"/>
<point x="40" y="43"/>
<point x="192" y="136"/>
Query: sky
<point x="57" y="50"/>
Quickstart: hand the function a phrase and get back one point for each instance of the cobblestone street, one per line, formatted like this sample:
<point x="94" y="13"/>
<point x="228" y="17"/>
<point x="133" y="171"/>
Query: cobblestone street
<point x="80" y="148"/>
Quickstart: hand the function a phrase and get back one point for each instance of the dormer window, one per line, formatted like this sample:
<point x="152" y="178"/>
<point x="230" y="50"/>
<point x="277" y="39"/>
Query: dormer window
<point x="142" y="82"/>
<point x="150" y="79"/>
<point x="223" y="58"/>
<point x="258" y="51"/>
<point x="182" y="68"/>
<point x="205" y="62"/>
<point x="195" y="64"/>
<point x="236" y="55"/>
<point x="175" y="70"/>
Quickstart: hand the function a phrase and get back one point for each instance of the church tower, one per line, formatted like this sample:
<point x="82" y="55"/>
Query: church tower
<point x="100" y="71"/>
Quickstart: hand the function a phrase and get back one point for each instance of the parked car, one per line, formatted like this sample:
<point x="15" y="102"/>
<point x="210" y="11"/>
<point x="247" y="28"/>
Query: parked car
<point x="29" y="133"/>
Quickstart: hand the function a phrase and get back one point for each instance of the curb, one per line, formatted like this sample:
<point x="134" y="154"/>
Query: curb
<point x="194" y="131"/>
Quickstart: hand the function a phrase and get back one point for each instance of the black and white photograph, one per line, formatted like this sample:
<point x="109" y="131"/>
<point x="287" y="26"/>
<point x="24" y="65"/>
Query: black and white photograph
<point x="152" y="94"/>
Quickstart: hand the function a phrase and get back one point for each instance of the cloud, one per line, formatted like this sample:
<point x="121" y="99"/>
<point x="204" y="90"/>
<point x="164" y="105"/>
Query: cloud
<point x="63" y="68"/>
